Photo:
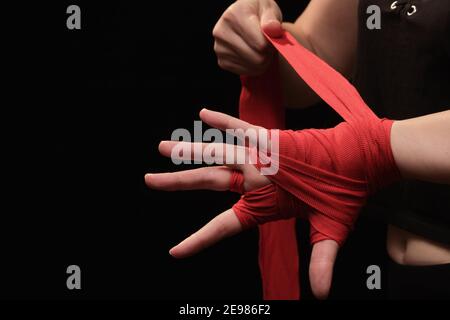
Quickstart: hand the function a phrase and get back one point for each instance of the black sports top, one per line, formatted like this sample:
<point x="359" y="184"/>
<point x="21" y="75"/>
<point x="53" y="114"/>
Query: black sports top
<point x="403" y="72"/>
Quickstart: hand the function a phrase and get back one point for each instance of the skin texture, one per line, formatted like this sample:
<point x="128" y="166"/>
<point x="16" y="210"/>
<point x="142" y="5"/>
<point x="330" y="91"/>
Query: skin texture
<point x="329" y="29"/>
<point x="239" y="42"/>
<point x="407" y="248"/>
<point x="326" y="27"/>
<point x="323" y="27"/>
<point x="413" y="135"/>
<point x="427" y="136"/>
<point x="421" y="147"/>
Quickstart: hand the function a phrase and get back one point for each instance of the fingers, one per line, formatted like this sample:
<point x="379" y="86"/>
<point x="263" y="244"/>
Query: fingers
<point x="271" y="19"/>
<point x="321" y="266"/>
<point x="248" y="134"/>
<point x="211" y="178"/>
<point x="235" y="41"/>
<point x="240" y="44"/>
<point x="224" y="225"/>
<point x="220" y="153"/>
<point x="209" y="153"/>
<point x="243" y="130"/>
<point x="250" y="31"/>
<point x="273" y="28"/>
<point x="223" y="121"/>
<point x="239" y="50"/>
<point x="230" y="64"/>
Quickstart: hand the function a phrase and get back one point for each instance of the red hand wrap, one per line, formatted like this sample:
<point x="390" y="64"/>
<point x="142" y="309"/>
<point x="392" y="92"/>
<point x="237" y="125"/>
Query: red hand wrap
<point x="324" y="175"/>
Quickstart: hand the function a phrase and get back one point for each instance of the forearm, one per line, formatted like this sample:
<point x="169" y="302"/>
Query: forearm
<point x="421" y="147"/>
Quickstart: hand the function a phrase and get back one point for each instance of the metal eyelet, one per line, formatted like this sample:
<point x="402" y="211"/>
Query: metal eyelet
<point x="394" y="5"/>
<point x="414" y="10"/>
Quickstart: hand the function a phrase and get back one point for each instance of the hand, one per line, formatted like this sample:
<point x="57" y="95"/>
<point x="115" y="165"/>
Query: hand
<point x="227" y="224"/>
<point x="211" y="178"/>
<point x="239" y="44"/>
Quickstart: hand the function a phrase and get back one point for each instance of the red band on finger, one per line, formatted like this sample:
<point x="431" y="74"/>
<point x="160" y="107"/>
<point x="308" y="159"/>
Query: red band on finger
<point x="324" y="175"/>
<point x="237" y="182"/>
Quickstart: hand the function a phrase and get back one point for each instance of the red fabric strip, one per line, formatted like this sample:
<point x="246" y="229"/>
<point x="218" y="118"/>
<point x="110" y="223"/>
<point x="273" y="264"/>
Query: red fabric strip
<point x="324" y="176"/>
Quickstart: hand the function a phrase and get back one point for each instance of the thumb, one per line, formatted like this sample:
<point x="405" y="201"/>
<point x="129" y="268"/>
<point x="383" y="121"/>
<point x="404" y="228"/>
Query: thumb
<point x="321" y="266"/>
<point x="271" y="22"/>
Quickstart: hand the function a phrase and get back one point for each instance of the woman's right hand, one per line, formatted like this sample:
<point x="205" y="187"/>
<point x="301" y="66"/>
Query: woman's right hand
<point x="240" y="44"/>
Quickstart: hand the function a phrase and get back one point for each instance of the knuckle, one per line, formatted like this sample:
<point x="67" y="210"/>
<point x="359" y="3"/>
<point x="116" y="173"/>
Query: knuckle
<point x="177" y="181"/>
<point x="216" y="47"/>
<point x="224" y="64"/>
<point x="259" y="60"/>
<point x="229" y="16"/>
<point x="202" y="242"/>
<point x="208" y="177"/>
<point x="216" y="32"/>
<point x="228" y="123"/>
<point x="272" y="6"/>
<point x="221" y="63"/>
<point x="261" y="46"/>
<point x="221" y="51"/>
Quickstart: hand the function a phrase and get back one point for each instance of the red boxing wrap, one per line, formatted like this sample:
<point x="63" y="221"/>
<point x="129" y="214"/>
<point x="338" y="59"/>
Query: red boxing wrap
<point x="324" y="176"/>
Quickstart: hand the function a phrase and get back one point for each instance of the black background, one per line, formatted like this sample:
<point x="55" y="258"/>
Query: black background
<point x="89" y="108"/>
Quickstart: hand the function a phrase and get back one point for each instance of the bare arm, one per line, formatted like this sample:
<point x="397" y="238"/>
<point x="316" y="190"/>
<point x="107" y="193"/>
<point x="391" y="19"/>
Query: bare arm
<point x="421" y="147"/>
